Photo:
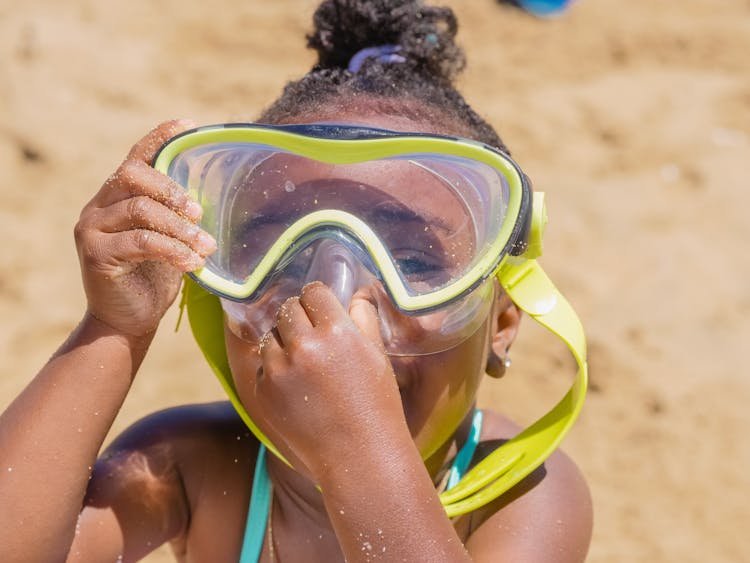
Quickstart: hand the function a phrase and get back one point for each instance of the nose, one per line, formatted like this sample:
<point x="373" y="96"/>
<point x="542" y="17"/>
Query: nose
<point x="334" y="265"/>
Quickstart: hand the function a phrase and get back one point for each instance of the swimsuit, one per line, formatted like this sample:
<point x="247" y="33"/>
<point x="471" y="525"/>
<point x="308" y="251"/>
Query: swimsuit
<point x="260" y="497"/>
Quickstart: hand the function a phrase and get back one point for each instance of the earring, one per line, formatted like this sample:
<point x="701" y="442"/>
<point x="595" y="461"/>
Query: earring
<point x="507" y="362"/>
<point x="496" y="366"/>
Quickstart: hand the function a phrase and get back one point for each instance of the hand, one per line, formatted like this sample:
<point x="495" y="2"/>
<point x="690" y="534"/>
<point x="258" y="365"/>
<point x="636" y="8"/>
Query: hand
<point x="136" y="237"/>
<point x="326" y="381"/>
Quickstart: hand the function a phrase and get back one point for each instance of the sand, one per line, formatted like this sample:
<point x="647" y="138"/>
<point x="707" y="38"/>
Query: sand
<point x="633" y="117"/>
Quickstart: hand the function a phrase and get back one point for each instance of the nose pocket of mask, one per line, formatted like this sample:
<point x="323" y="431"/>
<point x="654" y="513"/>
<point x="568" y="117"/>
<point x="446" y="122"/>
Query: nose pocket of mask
<point x="335" y="266"/>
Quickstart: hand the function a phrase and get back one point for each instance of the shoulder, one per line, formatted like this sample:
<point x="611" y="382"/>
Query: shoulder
<point x="180" y="444"/>
<point x="166" y="457"/>
<point x="190" y="422"/>
<point x="173" y="440"/>
<point x="146" y="485"/>
<point x="546" y="517"/>
<point x="196" y="425"/>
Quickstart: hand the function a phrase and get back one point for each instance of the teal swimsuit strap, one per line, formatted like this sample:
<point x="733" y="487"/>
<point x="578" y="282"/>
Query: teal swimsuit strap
<point x="257" y="515"/>
<point x="260" y="497"/>
<point x="466" y="453"/>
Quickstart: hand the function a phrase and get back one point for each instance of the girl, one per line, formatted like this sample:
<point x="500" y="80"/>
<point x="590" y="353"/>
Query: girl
<point x="348" y="248"/>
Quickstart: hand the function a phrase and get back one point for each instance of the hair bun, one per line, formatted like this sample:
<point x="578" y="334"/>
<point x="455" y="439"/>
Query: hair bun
<point x="424" y="34"/>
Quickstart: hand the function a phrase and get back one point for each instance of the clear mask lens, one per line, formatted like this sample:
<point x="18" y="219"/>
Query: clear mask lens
<point x="436" y="216"/>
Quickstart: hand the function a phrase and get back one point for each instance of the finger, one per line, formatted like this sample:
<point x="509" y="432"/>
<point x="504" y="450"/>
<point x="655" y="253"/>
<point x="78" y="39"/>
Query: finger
<point x="142" y="245"/>
<point x="271" y="351"/>
<point x="321" y="305"/>
<point x="135" y="178"/>
<point x="142" y="212"/>
<point x="292" y="321"/>
<point x="145" y="149"/>
<point x="365" y="316"/>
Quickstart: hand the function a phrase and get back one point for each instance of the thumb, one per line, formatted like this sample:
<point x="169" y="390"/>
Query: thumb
<point x="365" y="316"/>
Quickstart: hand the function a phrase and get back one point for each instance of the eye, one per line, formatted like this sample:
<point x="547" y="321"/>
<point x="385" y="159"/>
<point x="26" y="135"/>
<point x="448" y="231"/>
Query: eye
<point x="414" y="266"/>
<point x="418" y="266"/>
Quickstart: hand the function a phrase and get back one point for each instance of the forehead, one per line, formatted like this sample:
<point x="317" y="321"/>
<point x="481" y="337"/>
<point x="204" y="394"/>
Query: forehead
<point x="406" y="183"/>
<point x="405" y="116"/>
<point x="284" y="180"/>
<point x="400" y="191"/>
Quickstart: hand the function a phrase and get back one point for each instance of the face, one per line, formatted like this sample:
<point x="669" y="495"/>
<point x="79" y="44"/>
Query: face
<point x="437" y="390"/>
<point x="428" y="231"/>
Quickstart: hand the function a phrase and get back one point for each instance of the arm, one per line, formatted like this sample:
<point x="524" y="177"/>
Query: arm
<point x="134" y="239"/>
<point x="50" y="436"/>
<point x="383" y="505"/>
<point x="324" y="375"/>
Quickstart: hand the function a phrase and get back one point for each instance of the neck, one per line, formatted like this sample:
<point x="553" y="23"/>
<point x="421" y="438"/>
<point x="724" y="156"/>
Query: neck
<point x="296" y="494"/>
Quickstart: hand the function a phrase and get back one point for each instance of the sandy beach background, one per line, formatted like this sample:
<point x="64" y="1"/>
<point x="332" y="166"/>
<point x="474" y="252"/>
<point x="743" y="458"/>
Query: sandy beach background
<point x="633" y="116"/>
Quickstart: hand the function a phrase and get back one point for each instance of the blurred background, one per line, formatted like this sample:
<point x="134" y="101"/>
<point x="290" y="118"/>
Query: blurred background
<point x="633" y="117"/>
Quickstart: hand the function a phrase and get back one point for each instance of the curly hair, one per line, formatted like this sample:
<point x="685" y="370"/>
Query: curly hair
<point x="420" y="86"/>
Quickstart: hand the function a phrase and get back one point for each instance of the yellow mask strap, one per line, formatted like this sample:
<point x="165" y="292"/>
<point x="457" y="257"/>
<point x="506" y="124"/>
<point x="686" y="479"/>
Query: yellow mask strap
<point x="529" y="288"/>
<point x="532" y="291"/>
<point x="207" y="324"/>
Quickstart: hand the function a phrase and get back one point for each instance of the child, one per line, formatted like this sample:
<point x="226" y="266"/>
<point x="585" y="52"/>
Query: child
<point x="354" y="270"/>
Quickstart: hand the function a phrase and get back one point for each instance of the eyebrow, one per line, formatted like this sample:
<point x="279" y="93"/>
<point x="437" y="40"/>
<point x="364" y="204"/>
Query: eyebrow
<point x="259" y="220"/>
<point x="275" y="212"/>
<point x="390" y="212"/>
<point x="404" y="214"/>
<point x="263" y="218"/>
<point x="399" y="215"/>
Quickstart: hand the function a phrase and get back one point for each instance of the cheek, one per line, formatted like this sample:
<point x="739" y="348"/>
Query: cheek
<point x="244" y="362"/>
<point x="444" y="389"/>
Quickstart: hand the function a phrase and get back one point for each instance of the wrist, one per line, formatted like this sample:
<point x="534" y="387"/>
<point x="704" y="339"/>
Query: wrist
<point x="389" y="501"/>
<point x="93" y="328"/>
<point x="386" y="449"/>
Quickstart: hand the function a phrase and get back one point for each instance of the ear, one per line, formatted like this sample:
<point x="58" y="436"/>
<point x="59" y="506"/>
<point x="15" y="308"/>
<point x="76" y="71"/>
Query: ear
<point x="506" y="319"/>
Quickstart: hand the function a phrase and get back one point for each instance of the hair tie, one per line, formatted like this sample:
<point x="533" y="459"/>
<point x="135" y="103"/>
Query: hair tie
<point x="383" y="54"/>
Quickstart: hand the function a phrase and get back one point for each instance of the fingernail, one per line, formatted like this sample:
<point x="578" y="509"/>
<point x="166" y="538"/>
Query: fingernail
<point x="195" y="263"/>
<point x="194" y="209"/>
<point x="186" y="122"/>
<point x="206" y="242"/>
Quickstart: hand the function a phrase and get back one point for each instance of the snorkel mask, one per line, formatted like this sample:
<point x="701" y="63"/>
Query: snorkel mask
<point x="291" y="204"/>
